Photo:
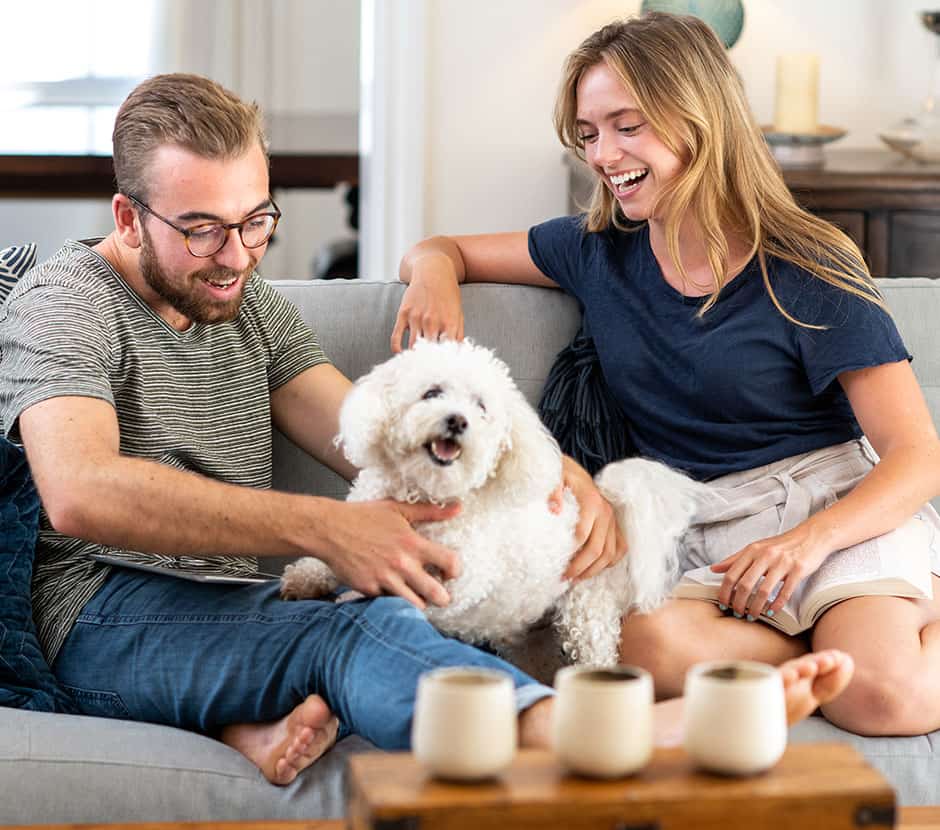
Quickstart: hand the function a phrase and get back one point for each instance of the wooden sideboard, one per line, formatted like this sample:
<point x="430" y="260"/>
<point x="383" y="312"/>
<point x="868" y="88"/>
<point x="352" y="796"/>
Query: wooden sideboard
<point x="889" y="205"/>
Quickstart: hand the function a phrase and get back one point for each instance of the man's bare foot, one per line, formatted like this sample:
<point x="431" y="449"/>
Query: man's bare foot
<point x="282" y="748"/>
<point x="814" y="679"/>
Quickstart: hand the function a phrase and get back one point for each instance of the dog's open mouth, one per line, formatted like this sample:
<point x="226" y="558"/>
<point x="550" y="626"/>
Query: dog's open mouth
<point x="443" y="451"/>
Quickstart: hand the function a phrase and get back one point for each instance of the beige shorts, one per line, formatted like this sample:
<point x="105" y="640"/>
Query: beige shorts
<point x="769" y="500"/>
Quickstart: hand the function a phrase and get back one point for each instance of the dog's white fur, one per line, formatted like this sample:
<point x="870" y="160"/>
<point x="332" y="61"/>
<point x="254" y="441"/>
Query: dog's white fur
<point x="514" y="551"/>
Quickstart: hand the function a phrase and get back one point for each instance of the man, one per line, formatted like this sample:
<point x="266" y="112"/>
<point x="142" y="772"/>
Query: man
<point x="142" y="373"/>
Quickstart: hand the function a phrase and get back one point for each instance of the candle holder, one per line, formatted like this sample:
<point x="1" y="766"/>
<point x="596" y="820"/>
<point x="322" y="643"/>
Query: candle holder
<point x="800" y="149"/>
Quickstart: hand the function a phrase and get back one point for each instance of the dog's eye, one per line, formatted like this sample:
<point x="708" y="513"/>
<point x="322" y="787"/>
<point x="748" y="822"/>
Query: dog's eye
<point x="433" y="392"/>
<point x="481" y="405"/>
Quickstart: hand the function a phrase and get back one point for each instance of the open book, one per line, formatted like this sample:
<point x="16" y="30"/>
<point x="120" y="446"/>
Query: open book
<point x="895" y="564"/>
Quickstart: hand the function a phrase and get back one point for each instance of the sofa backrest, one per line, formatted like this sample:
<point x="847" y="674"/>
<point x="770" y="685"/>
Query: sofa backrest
<point x="526" y="327"/>
<point x="915" y="303"/>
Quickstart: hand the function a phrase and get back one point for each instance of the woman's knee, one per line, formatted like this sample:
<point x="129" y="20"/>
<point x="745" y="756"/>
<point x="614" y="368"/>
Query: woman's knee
<point x="884" y="701"/>
<point x="660" y="642"/>
<point x="642" y="637"/>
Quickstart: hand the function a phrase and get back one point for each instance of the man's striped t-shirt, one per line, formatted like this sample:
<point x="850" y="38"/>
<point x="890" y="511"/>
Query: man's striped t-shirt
<point x="196" y="400"/>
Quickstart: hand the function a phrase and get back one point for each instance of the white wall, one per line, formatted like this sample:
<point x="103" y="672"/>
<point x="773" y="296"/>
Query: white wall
<point x="50" y="222"/>
<point x="493" y="161"/>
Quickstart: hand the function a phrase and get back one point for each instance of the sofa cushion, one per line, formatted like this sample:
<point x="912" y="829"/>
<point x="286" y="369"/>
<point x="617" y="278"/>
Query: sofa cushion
<point x="911" y="764"/>
<point x="81" y="770"/>
<point x="26" y="682"/>
<point x="14" y="262"/>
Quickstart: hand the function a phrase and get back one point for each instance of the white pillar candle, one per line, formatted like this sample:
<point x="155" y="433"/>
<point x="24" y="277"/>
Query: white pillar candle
<point x="797" y="93"/>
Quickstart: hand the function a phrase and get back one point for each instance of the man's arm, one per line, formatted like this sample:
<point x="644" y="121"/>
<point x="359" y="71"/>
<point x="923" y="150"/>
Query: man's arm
<point x="306" y="410"/>
<point x="91" y="491"/>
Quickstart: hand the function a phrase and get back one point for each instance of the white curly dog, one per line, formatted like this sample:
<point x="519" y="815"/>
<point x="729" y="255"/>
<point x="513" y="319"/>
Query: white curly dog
<point x="443" y="422"/>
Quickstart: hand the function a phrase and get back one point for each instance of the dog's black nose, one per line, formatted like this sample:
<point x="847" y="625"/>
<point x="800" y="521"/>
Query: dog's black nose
<point x="456" y="424"/>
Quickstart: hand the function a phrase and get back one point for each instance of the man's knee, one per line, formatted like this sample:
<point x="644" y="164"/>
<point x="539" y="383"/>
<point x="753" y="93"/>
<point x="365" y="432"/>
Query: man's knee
<point x="392" y="609"/>
<point x="384" y="619"/>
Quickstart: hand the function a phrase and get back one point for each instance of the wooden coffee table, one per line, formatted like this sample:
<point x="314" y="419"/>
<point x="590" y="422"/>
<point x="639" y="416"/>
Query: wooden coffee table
<point x="813" y="787"/>
<point x="920" y="818"/>
<point x="910" y="818"/>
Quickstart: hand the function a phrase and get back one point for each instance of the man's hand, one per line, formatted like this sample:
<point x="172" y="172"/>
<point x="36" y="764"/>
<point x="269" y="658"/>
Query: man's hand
<point x="600" y="542"/>
<point x="375" y="550"/>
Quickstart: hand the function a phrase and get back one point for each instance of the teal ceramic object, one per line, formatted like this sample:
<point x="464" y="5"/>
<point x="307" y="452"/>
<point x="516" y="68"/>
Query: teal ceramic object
<point x="726" y="17"/>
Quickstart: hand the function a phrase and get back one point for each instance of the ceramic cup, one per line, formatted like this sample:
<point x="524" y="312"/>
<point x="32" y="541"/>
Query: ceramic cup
<point x="603" y="720"/>
<point x="464" y="727"/>
<point x="735" y="716"/>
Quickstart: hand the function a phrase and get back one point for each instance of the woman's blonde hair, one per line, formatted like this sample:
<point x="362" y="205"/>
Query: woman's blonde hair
<point x="691" y="96"/>
<point x="190" y="111"/>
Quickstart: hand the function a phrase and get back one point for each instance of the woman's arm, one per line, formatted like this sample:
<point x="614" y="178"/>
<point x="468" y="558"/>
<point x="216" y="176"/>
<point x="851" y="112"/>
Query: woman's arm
<point x="434" y="269"/>
<point x="892" y="413"/>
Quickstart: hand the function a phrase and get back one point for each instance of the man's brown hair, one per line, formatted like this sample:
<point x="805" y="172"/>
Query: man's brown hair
<point x="189" y="111"/>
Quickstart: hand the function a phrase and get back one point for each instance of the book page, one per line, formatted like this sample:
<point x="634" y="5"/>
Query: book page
<point x="894" y="564"/>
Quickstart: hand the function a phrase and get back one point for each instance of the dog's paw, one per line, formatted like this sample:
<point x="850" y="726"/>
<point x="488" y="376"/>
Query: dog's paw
<point x="308" y="578"/>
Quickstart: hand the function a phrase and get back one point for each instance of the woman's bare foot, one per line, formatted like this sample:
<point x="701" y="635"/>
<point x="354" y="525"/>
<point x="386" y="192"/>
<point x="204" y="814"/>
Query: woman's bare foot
<point x="814" y="679"/>
<point x="282" y="748"/>
<point x="808" y="682"/>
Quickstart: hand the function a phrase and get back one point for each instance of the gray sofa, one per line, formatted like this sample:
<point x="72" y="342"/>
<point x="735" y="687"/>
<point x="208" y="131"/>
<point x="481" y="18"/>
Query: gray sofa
<point x="68" y="769"/>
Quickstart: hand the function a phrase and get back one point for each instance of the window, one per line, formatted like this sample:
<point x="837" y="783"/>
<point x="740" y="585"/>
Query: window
<point x="66" y="67"/>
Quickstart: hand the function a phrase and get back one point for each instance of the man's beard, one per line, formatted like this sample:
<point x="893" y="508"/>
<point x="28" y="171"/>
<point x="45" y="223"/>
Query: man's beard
<point x="184" y="298"/>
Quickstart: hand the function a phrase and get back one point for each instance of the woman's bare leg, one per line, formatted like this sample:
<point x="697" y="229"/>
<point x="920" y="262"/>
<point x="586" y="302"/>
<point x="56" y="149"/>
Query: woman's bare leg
<point x="896" y="646"/>
<point x="683" y="632"/>
<point x="809" y="681"/>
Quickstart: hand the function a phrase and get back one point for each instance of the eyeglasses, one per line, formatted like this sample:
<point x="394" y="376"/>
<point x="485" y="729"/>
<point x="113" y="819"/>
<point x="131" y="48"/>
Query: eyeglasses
<point x="208" y="239"/>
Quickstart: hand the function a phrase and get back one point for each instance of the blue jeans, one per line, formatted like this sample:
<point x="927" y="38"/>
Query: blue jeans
<point x="201" y="656"/>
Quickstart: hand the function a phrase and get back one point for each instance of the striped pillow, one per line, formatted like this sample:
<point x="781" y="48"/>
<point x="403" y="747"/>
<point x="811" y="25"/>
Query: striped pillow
<point x="14" y="262"/>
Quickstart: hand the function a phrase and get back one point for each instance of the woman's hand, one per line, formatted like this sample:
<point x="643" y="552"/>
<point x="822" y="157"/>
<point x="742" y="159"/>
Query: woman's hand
<point x="784" y="560"/>
<point x="431" y="306"/>
<point x="600" y="542"/>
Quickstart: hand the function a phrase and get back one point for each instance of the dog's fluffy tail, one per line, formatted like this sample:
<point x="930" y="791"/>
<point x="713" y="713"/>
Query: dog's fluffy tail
<point x="654" y="505"/>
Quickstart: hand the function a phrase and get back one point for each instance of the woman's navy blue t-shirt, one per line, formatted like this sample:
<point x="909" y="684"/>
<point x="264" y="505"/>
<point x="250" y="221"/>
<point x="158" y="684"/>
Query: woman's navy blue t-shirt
<point x="734" y="389"/>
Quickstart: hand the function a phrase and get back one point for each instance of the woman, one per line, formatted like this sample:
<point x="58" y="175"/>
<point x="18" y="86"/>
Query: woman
<point x="748" y="345"/>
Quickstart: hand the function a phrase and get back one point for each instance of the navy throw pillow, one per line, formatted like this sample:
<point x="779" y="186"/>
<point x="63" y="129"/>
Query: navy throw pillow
<point x="579" y="409"/>
<point x="14" y="262"/>
<point x="26" y="681"/>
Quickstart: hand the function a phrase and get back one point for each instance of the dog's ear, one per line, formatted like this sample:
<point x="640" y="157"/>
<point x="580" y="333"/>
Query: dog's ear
<point x="363" y="417"/>
<point x="531" y="454"/>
